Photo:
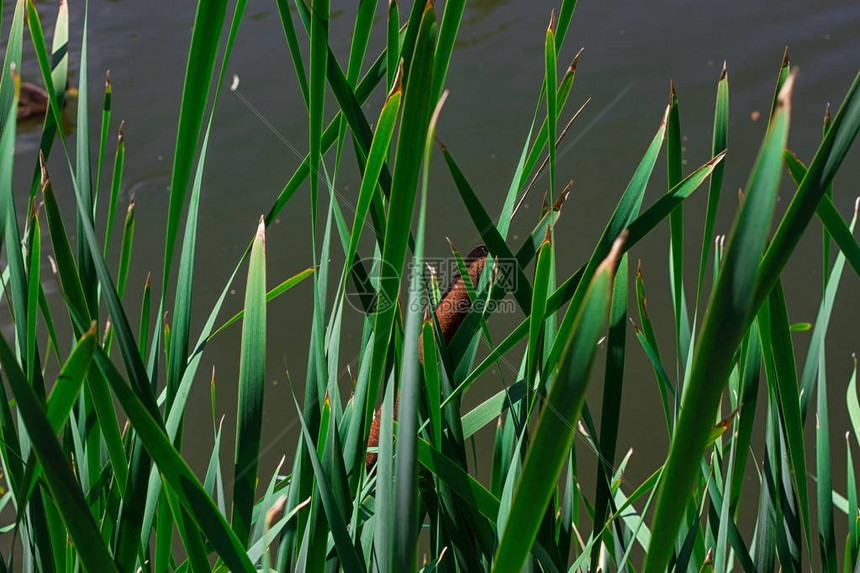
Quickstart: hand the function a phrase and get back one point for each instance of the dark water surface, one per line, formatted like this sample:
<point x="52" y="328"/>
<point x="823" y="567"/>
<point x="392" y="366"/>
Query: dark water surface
<point x="632" y="49"/>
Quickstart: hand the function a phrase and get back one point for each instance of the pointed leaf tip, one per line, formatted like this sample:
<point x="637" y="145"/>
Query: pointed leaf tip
<point x="563" y="197"/>
<point x="785" y="58"/>
<point x="615" y="253"/>
<point x="397" y="85"/>
<point x="784" y="98"/>
<point x="261" y="231"/>
<point x="724" y="72"/>
<point x="665" y="117"/>
<point x="438" y="110"/>
<point x="451" y="245"/>
<point x="551" y="27"/>
<point x="717" y="158"/>
<point x="107" y="79"/>
<point x="575" y="61"/>
<point x="276" y="508"/>
<point x="44" y="171"/>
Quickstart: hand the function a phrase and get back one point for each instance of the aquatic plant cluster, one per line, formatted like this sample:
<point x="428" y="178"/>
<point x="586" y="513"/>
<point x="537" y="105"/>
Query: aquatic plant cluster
<point x="92" y="419"/>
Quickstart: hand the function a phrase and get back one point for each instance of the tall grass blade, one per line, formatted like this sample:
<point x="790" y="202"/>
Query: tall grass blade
<point x="451" y="18"/>
<point x="613" y="386"/>
<point x="208" y="22"/>
<point x="125" y="250"/>
<point x="676" y="231"/>
<point x="83" y="178"/>
<point x="554" y="434"/>
<point x="59" y="76"/>
<point x="9" y="232"/>
<point x="821" y="171"/>
<point x="116" y="184"/>
<point x="406" y="471"/>
<point x="824" y="483"/>
<point x="174" y="471"/>
<point x="373" y="167"/>
<point x="346" y="551"/>
<point x="106" y="106"/>
<point x="718" y="145"/>
<point x="551" y="103"/>
<point x="293" y="46"/>
<point x="392" y="38"/>
<point x="853" y="532"/>
<point x="789" y="399"/>
<point x="11" y="62"/>
<point x="74" y="510"/>
<point x="410" y="148"/>
<point x="316" y="106"/>
<point x="625" y="212"/>
<point x="730" y="310"/>
<point x="252" y="380"/>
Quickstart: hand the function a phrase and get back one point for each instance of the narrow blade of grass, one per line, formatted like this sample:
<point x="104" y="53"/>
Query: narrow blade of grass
<point x="406" y="472"/>
<point x="821" y="171"/>
<point x="64" y="486"/>
<point x="252" y="380"/>
<point x="410" y="147"/>
<point x="554" y="434"/>
<point x="718" y="145"/>
<point x="613" y="386"/>
<point x="730" y="310"/>
<point x="824" y="483"/>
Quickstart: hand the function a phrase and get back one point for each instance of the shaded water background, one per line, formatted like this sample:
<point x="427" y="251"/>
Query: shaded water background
<point x="631" y="52"/>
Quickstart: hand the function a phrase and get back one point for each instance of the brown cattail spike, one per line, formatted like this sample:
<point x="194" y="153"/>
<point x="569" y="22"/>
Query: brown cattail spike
<point x="450" y="313"/>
